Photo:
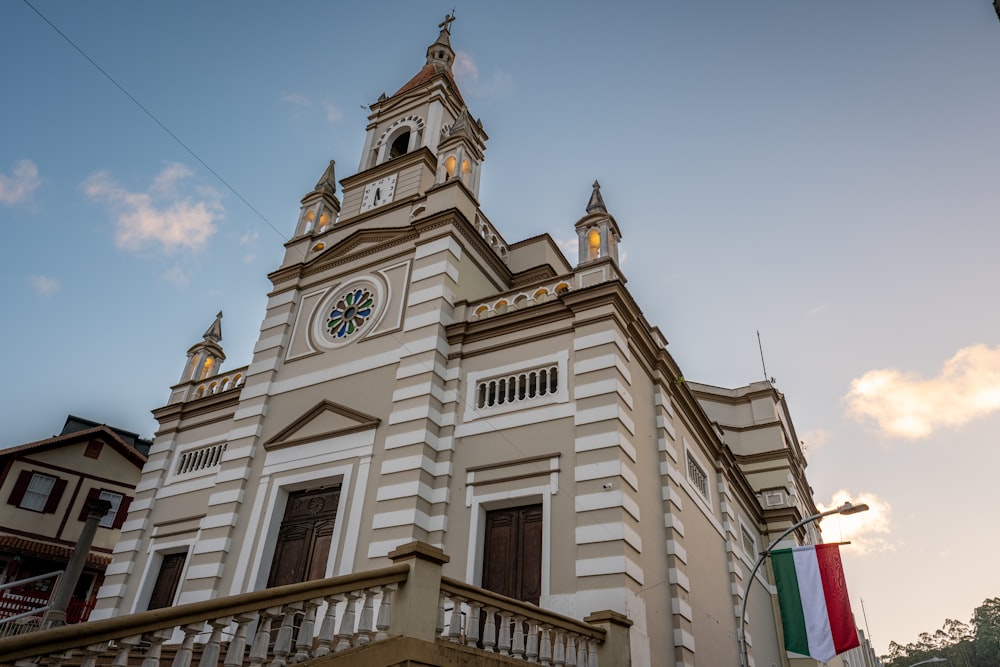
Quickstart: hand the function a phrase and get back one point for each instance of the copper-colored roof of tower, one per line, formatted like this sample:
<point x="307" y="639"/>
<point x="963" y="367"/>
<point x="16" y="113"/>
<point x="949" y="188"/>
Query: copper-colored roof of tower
<point x="435" y="66"/>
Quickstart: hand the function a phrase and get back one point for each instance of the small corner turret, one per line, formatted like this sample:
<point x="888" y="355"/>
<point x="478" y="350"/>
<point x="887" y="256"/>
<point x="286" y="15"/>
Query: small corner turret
<point x="461" y="152"/>
<point x="597" y="231"/>
<point x="205" y="357"/>
<point x="320" y="207"/>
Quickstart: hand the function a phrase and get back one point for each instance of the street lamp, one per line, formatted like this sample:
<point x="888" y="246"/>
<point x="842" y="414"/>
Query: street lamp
<point x="928" y="661"/>
<point x="846" y="508"/>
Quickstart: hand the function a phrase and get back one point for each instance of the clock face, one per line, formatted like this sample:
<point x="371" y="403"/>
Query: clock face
<point x="379" y="192"/>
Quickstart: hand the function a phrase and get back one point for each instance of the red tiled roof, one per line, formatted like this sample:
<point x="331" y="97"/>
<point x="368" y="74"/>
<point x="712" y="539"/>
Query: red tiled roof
<point x="427" y="73"/>
<point x="53" y="551"/>
<point x="100" y="432"/>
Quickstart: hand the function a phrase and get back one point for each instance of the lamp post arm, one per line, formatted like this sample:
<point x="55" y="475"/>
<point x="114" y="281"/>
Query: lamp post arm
<point x="760" y="561"/>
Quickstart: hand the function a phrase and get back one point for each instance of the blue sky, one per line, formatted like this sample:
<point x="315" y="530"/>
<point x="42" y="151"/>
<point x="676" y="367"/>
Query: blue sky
<point x="824" y="173"/>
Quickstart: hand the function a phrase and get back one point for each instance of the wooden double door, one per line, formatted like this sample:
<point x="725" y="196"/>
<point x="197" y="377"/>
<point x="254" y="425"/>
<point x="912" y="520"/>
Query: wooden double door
<point x="512" y="554"/>
<point x="305" y="536"/>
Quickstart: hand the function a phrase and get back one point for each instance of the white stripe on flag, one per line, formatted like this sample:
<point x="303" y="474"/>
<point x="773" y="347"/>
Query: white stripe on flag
<point x="814" y="605"/>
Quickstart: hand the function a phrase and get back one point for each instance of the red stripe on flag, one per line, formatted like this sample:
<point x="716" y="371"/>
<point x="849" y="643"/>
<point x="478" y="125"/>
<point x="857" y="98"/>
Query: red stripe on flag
<point x="838" y="603"/>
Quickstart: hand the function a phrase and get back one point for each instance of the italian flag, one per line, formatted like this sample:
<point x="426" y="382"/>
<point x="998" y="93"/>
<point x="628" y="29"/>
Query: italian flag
<point x="815" y="610"/>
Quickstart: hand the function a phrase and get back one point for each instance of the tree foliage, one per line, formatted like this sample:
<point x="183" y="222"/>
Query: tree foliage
<point x="972" y="644"/>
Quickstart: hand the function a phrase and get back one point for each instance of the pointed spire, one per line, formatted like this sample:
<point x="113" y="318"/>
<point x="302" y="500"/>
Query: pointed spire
<point x="327" y="182"/>
<point x="214" y="332"/>
<point x="596" y="203"/>
<point x="440" y="53"/>
<point x="461" y="124"/>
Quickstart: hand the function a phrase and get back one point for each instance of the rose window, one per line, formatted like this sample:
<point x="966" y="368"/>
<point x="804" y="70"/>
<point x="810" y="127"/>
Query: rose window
<point x="350" y="312"/>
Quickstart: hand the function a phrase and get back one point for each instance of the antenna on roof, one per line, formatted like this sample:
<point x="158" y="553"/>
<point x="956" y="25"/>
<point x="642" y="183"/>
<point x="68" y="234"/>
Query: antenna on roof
<point x="761" y="348"/>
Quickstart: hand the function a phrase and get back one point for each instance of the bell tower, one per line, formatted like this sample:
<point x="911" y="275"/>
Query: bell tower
<point x="320" y="207"/>
<point x="204" y="358"/>
<point x="597" y="231"/>
<point x="420" y="137"/>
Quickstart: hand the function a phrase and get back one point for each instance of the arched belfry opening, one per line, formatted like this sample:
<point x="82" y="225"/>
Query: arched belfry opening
<point x="400" y="145"/>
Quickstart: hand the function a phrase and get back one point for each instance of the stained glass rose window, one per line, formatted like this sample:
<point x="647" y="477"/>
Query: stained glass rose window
<point x="350" y="312"/>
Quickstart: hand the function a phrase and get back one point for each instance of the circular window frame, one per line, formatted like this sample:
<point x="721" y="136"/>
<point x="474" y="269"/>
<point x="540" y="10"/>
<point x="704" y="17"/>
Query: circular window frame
<point x="321" y="333"/>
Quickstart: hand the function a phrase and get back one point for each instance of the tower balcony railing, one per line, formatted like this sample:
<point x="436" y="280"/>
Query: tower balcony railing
<point x="518" y="299"/>
<point x="407" y="606"/>
<point x="209" y="386"/>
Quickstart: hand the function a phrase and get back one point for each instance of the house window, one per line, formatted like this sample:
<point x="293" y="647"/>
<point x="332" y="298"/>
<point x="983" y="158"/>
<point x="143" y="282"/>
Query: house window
<point x="697" y="476"/>
<point x="749" y="543"/>
<point x="37" y="494"/>
<point x="116" y="501"/>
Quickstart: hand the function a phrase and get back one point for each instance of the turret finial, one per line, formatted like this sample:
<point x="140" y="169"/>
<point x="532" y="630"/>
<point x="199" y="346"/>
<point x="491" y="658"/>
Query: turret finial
<point x="440" y="53"/>
<point x="327" y="182"/>
<point x="596" y="203"/>
<point x="214" y="332"/>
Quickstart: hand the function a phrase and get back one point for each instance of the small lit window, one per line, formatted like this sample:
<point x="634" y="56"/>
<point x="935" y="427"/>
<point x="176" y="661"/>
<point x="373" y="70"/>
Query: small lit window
<point x="37" y="493"/>
<point x="593" y="244"/>
<point x="697" y="476"/>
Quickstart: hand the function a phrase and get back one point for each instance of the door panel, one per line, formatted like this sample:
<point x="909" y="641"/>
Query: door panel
<point x="512" y="554"/>
<point x="167" y="580"/>
<point x="305" y="536"/>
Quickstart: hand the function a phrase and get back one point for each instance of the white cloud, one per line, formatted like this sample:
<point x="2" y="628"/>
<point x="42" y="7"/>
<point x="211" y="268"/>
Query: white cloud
<point x="570" y="248"/>
<point x="177" y="275"/>
<point x="162" y="215"/>
<point x="250" y="237"/>
<point x="20" y="184"/>
<point x="814" y="440"/>
<point x="297" y="99"/>
<point x="45" y="285"/>
<point x="866" y="531"/>
<point x="906" y="406"/>
<point x="331" y="112"/>
<point x="498" y="84"/>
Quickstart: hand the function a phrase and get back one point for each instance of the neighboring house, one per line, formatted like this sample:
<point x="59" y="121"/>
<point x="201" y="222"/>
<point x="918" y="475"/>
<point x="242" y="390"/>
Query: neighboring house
<point x="419" y="378"/>
<point x="44" y="488"/>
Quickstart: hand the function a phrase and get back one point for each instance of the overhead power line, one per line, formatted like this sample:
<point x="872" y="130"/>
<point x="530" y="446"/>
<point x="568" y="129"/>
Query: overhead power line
<point x="154" y="118"/>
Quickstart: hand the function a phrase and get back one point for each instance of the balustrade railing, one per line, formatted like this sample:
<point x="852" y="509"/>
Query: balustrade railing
<point x="477" y="618"/>
<point x="282" y="626"/>
<point x="287" y="624"/>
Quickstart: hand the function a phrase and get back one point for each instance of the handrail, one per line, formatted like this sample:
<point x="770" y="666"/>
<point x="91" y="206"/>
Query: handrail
<point x="93" y="632"/>
<point x="488" y="598"/>
<point x="30" y="580"/>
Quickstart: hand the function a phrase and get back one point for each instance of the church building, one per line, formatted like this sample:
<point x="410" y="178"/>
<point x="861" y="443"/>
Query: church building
<point x="420" y="377"/>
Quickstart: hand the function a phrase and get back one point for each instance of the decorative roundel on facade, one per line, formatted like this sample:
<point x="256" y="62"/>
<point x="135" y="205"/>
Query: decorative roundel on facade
<point x="350" y="312"/>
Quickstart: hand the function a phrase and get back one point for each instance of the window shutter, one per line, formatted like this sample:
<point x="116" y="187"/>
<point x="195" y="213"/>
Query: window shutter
<point x="93" y="494"/>
<point x="122" y="512"/>
<point x="55" y="496"/>
<point x="20" y="486"/>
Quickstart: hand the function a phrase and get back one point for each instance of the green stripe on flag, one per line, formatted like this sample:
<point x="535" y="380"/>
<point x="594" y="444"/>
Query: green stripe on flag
<point x="790" y="602"/>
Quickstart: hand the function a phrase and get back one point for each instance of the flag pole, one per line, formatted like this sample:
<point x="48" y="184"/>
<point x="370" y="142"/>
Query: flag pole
<point x="846" y="508"/>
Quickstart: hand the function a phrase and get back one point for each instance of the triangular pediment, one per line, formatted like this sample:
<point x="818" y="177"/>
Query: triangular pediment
<point x="362" y="242"/>
<point x="326" y="420"/>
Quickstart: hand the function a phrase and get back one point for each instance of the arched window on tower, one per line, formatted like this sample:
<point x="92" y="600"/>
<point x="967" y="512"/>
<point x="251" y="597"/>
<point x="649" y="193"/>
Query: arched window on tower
<point x="400" y="145"/>
<point x="308" y="218"/>
<point x="593" y="244"/>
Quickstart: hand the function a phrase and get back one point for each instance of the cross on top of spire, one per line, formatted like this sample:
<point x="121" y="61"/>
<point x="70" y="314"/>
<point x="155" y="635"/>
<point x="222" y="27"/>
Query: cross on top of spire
<point x="446" y="24"/>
